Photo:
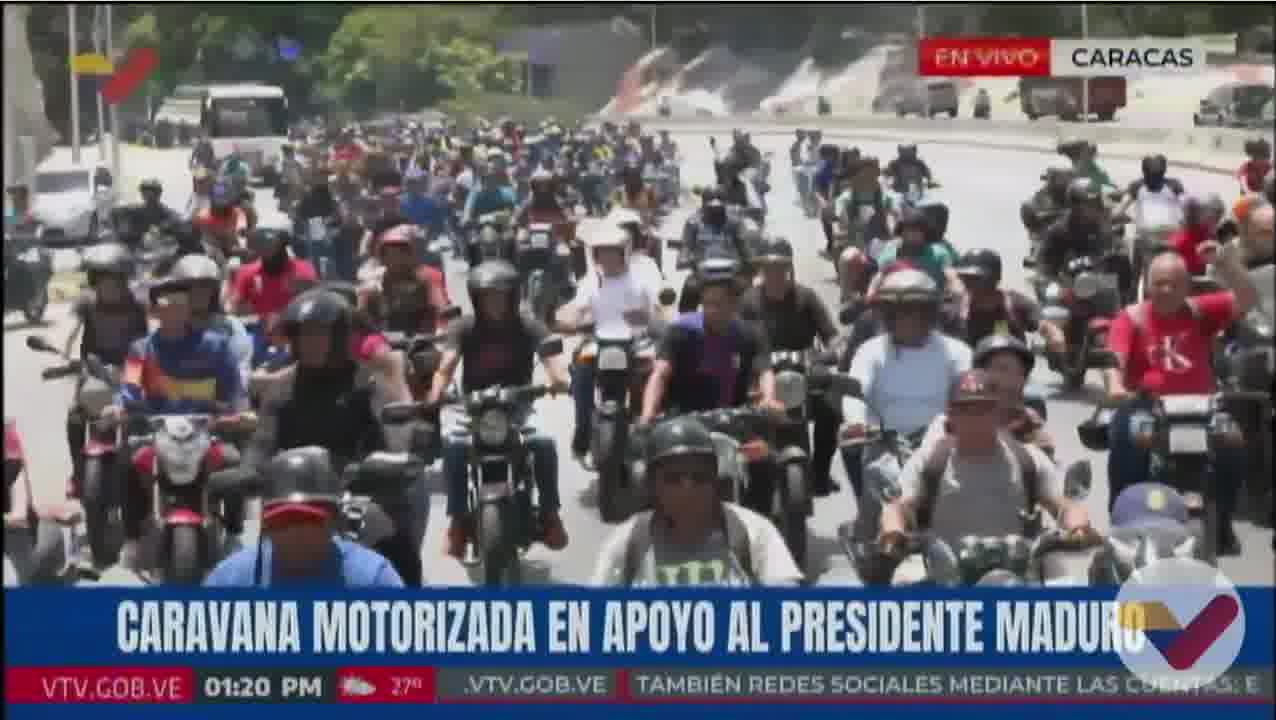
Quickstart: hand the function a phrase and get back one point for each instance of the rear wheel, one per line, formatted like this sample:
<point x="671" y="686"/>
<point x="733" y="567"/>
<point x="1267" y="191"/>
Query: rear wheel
<point x="610" y="471"/>
<point x="96" y="497"/>
<point x="496" y="549"/>
<point x="793" y="513"/>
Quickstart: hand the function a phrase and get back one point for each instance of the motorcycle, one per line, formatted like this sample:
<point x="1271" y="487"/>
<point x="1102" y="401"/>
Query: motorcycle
<point x="500" y="489"/>
<point x="543" y="257"/>
<point x="1248" y="363"/>
<point x="380" y="480"/>
<point x="1183" y="434"/>
<point x="1082" y="301"/>
<point x="28" y="267"/>
<point x="97" y="492"/>
<point x="177" y="453"/>
<point x="622" y="365"/>
<point x="321" y="246"/>
<point x="489" y="239"/>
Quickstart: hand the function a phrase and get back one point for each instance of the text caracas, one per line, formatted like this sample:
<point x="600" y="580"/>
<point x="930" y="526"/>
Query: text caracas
<point x="1118" y="58"/>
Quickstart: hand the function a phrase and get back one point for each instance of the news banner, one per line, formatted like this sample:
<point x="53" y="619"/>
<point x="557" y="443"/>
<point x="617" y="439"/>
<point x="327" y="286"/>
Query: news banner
<point x="568" y="646"/>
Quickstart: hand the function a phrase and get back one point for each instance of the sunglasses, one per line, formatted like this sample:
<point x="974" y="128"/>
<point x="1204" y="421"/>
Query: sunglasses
<point x="696" y="475"/>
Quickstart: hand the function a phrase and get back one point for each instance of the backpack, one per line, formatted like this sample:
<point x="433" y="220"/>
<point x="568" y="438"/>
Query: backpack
<point x="935" y="466"/>
<point x="640" y="543"/>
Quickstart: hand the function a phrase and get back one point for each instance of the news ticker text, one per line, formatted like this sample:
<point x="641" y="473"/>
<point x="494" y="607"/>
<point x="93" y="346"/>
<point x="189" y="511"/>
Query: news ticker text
<point x="423" y="685"/>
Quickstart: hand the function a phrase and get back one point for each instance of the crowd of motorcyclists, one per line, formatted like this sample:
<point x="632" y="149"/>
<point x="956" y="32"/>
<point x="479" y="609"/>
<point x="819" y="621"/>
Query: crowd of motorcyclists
<point x="314" y="363"/>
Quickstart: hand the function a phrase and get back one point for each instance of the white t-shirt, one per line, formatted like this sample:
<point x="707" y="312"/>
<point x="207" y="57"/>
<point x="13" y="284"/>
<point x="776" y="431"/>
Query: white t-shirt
<point x="1160" y="209"/>
<point x="908" y="386"/>
<point x="609" y="298"/>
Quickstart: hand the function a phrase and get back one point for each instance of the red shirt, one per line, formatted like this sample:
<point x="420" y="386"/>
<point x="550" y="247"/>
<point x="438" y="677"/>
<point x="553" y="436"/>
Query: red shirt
<point x="365" y="346"/>
<point x="1185" y="241"/>
<point x="1251" y="173"/>
<point x="268" y="295"/>
<point x="1171" y="355"/>
<point x="220" y="225"/>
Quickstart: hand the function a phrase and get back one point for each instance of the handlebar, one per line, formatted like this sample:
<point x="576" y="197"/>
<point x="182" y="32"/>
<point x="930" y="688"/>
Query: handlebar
<point x="75" y="367"/>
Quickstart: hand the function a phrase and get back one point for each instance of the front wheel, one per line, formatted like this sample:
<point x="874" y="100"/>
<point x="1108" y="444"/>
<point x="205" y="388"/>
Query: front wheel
<point x="792" y="515"/>
<point x="183" y="563"/>
<point x="496" y="548"/>
<point x="96" y="497"/>
<point x="611" y="469"/>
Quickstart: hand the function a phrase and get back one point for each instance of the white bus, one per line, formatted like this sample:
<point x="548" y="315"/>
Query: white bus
<point x="249" y="119"/>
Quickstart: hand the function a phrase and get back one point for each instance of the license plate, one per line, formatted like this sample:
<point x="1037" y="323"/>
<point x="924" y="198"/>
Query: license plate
<point x="540" y="241"/>
<point x="1188" y="440"/>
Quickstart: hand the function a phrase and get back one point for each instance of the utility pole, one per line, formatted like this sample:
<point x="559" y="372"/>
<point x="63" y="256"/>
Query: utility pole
<point x="115" y="109"/>
<point x="1085" y="81"/>
<point x="73" y="49"/>
<point x="653" y="26"/>
<point x="921" y="33"/>
<point x="98" y="29"/>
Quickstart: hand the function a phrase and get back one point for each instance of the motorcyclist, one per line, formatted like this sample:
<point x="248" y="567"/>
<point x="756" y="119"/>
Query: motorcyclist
<point x="864" y="204"/>
<point x="201" y="186"/>
<point x="223" y="220"/>
<point x="326" y="400"/>
<point x="981" y="481"/>
<point x="904" y="373"/>
<point x="1049" y="202"/>
<point x="1201" y="218"/>
<point x="983" y="103"/>
<point x="1082" y="231"/>
<point x="203" y="155"/>
<point x="823" y="184"/>
<point x="265" y="286"/>
<point x="1164" y="345"/>
<point x="634" y="193"/>
<point x="1083" y="155"/>
<point x="497" y="345"/>
<point x="643" y="245"/>
<point x="916" y="245"/>
<point x="993" y="310"/>
<point x="153" y="213"/>
<point x="710" y="232"/>
<point x="234" y="170"/>
<point x="299" y="547"/>
<point x="421" y="208"/>
<point x="711" y="358"/>
<point x="108" y="320"/>
<point x="175" y="369"/>
<point x="907" y="168"/>
<point x="204" y="278"/>
<point x="492" y="195"/>
<point x="734" y="189"/>
<point x="793" y="317"/>
<point x="1008" y="362"/>
<point x="542" y="204"/>
<point x="1259" y="163"/>
<point x="1157" y="199"/>
<point x="410" y="296"/>
<point x="316" y="201"/>
<point x="291" y="173"/>
<point x="692" y="537"/>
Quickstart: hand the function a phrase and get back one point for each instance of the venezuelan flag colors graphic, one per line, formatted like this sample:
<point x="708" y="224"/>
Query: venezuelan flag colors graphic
<point x="1180" y="645"/>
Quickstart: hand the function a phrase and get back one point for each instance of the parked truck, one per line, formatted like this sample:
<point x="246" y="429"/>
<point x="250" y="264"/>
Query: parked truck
<point x="1062" y="97"/>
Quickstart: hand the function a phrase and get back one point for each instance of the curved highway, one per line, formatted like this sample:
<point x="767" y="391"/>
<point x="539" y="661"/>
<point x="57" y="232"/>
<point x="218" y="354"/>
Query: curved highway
<point x="983" y="188"/>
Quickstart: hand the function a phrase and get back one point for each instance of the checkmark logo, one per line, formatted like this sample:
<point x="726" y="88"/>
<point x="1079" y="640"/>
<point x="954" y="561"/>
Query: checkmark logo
<point x="1182" y="646"/>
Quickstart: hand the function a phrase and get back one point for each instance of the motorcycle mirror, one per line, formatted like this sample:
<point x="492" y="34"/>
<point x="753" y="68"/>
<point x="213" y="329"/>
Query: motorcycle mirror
<point x="400" y="413"/>
<point x="551" y="347"/>
<point x="1029" y="263"/>
<point x="451" y="312"/>
<point x="675" y="243"/>
<point x="1077" y="480"/>
<point x="40" y="344"/>
<point x="942" y="566"/>
<point x="668" y="297"/>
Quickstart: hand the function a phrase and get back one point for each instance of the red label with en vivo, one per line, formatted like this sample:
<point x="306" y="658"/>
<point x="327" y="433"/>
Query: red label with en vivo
<point x="983" y="57"/>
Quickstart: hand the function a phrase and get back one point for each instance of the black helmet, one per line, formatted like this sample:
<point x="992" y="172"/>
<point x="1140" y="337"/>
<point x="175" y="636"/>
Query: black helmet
<point x="908" y="285"/>
<point x="151" y="185"/>
<point x="679" y="437"/>
<point x="1154" y="165"/>
<point x="711" y="196"/>
<point x="108" y="259"/>
<point x="263" y="239"/>
<point x="492" y="275"/>
<point x="197" y="268"/>
<point x="1084" y="191"/>
<point x="300" y="480"/>
<point x="914" y="218"/>
<point x="718" y="270"/>
<point x="776" y="250"/>
<point x="907" y="150"/>
<point x="1258" y="148"/>
<point x="994" y="344"/>
<point x="981" y="263"/>
<point x="318" y="306"/>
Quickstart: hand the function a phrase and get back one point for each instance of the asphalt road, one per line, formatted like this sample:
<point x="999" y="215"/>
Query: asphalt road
<point x="983" y="187"/>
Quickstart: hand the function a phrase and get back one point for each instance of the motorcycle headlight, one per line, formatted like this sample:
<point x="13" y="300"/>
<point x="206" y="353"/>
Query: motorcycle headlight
<point x="790" y="388"/>
<point x="613" y="359"/>
<point x="30" y="255"/>
<point x="180" y="461"/>
<point x="1086" y="286"/>
<point x="1053" y="293"/>
<point x="493" y="427"/>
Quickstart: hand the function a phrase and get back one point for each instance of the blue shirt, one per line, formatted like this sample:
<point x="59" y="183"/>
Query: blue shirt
<point x="349" y="565"/>
<point x="422" y="210"/>
<point x="823" y="179"/>
<point x="486" y="200"/>
<point x="191" y="374"/>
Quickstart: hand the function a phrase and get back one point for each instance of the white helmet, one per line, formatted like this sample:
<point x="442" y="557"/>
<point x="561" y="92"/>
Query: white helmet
<point x="610" y="237"/>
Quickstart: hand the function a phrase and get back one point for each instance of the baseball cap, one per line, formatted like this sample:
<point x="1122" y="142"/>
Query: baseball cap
<point x="1148" y="505"/>
<point x="292" y="512"/>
